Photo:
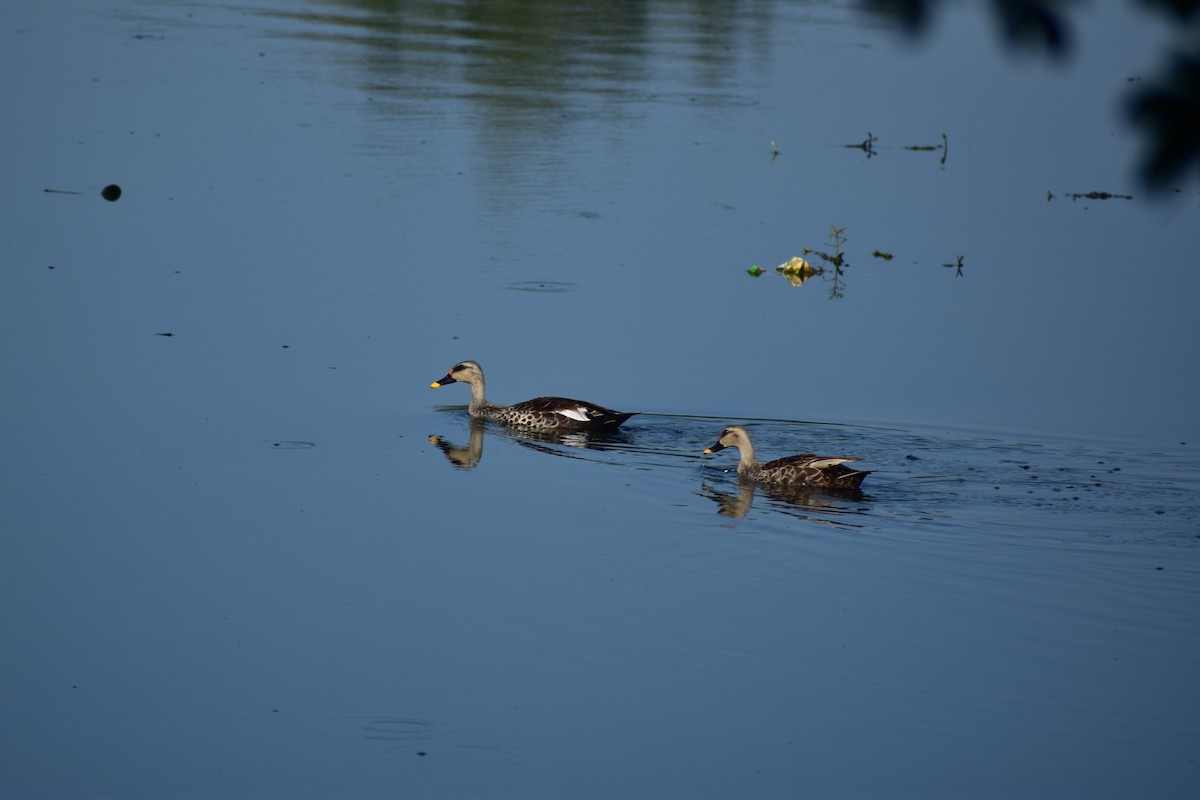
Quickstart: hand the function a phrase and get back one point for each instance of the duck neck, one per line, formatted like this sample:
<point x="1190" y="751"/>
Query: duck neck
<point x="746" y="462"/>
<point x="478" y="402"/>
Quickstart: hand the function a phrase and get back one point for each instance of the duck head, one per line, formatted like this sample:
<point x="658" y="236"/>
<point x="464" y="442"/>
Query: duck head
<point x="732" y="436"/>
<point x="465" y="371"/>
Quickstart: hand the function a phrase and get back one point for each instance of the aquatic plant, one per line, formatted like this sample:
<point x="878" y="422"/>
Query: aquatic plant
<point x="866" y="145"/>
<point x="1099" y="196"/>
<point x="797" y="270"/>
<point x="837" y="238"/>
<point x="944" y="147"/>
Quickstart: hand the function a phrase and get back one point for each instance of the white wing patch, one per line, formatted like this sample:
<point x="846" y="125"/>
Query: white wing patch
<point x="822" y="463"/>
<point x="578" y="413"/>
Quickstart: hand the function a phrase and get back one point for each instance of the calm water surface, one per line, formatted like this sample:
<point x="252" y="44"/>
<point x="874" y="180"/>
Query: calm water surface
<point x="236" y="564"/>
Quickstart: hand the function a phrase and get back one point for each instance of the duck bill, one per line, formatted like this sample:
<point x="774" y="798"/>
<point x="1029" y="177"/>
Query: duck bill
<point x="440" y="382"/>
<point x="715" y="448"/>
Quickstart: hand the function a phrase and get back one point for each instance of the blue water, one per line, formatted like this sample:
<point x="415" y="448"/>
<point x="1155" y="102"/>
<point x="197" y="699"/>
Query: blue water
<point x="235" y="564"/>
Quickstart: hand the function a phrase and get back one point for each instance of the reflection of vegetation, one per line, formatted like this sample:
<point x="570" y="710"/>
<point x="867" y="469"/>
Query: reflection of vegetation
<point x="1167" y="109"/>
<point x="533" y="65"/>
<point x="837" y="238"/>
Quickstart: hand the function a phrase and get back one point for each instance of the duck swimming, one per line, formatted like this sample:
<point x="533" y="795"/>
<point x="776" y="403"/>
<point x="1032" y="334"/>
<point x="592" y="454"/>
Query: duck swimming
<point x="540" y="413"/>
<point x="801" y="470"/>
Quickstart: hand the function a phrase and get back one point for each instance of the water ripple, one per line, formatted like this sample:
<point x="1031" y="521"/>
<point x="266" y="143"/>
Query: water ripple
<point x="918" y="476"/>
<point x="386" y="728"/>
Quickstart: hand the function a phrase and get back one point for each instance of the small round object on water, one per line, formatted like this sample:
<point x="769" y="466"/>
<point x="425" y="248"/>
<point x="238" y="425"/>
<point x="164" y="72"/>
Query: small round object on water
<point x="111" y="193"/>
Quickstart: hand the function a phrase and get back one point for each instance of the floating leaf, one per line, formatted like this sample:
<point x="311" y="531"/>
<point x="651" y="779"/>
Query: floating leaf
<point x="797" y="266"/>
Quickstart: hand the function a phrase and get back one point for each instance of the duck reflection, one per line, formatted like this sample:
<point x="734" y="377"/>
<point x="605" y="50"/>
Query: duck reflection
<point x="463" y="457"/>
<point x="550" y="442"/>
<point x="819" y="504"/>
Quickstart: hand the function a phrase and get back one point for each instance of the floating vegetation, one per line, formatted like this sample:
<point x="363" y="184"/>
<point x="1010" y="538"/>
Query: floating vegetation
<point x="837" y="238"/>
<point x="774" y="150"/>
<point x="1099" y="196"/>
<point x="830" y="264"/>
<point x="944" y="147"/>
<point x="111" y="193"/>
<point x="866" y="145"/>
<point x="957" y="266"/>
<point x="797" y="270"/>
<point x="922" y="147"/>
<point x="1091" y="196"/>
<point x="545" y="287"/>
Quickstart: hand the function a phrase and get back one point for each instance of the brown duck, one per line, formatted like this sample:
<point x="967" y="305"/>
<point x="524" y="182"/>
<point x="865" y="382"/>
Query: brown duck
<point x="802" y="470"/>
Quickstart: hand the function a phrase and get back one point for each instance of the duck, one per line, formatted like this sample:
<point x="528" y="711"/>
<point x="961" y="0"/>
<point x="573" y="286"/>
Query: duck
<point x="540" y="413"/>
<point x="800" y="470"/>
